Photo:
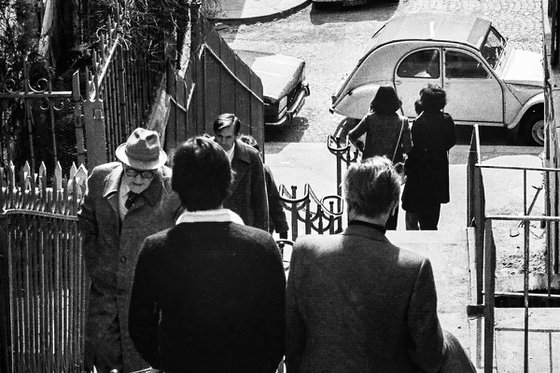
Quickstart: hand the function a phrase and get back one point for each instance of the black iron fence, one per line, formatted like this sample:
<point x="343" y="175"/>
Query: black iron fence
<point x="40" y="118"/>
<point x="43" y="282"/>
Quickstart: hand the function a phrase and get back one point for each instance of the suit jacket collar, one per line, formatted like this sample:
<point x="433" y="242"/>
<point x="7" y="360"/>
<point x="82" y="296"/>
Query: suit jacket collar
<point x="112" y="184"/>
<point x="239" y="164"/>
<point x="241" y="153"/>
<point x="366" y="232"/>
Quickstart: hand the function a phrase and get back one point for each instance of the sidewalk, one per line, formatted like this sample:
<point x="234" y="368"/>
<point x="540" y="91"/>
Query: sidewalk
<point x="254" y="10"/>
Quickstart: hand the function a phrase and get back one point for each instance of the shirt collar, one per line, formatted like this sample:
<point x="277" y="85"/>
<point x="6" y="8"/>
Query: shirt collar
<point x="378" y="227"/>
<point x="230" y="153"/>
<point x="207" y="216"/>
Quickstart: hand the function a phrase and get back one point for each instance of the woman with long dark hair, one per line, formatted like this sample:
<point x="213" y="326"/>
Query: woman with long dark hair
<point x="387" y="132"/>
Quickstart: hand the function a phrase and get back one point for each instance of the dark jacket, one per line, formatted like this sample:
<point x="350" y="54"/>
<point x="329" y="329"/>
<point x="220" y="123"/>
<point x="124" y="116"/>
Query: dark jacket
<point x="382" y="133"/>
<point x="357" y="303"/>
<point x="277" y="216"/>
<point x="247" y="194"/>
<point x="111" y="249"/>
<point x="427" y="166"/>
<point x="209" y="297"/>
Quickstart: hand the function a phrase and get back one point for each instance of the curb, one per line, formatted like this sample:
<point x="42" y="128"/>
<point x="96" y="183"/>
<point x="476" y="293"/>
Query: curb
<point x="264" y="17"/>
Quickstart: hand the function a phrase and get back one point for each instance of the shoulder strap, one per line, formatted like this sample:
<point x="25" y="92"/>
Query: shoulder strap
<point x="398" y="140"/>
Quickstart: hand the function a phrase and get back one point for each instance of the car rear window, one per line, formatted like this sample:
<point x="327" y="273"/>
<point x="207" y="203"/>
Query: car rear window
<point x="420" y="64"/>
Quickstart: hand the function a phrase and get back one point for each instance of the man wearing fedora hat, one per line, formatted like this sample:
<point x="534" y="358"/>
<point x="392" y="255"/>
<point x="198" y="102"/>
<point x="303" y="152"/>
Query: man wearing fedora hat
<point x="126" y="201"/>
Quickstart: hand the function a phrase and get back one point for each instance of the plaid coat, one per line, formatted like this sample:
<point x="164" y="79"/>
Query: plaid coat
<point x="111" y="248"/>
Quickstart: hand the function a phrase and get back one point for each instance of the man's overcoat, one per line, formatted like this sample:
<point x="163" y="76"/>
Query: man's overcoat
<point x="111" y="248"/>
<point x="247" y="195"/>
<point x="357" y="303"/>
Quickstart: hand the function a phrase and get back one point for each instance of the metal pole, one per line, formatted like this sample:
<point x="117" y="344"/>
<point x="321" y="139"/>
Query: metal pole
<point x="489" y="285"/>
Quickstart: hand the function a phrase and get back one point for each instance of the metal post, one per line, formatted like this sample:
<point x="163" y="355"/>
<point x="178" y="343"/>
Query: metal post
<point x="78" y="123"/>
<point x="96" y="142"/>
<point x="479" y="254"/>
<point x="489" y="289"/>
<point x="526" y="233"/>
<point x="5" y="347"/>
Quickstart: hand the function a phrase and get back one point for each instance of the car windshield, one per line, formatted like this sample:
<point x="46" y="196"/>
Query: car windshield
<point x="493" y="47"/>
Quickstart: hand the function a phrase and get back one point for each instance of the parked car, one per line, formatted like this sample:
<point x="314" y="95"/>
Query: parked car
<point x="321" y="3"/>
<point x="284" y="84"/>
<point x="488" y="81"/>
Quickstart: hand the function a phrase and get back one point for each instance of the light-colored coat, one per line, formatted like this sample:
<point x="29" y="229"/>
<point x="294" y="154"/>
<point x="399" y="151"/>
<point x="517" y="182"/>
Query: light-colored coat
<point x="247" y="194"/>
<point x="111" y="248"/>
<point x="357" y="303"/>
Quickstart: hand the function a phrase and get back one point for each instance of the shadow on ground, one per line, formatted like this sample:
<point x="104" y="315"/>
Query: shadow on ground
<point x="380" y="11"/>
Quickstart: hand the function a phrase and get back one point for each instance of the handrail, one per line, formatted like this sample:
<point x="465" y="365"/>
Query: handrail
<point x="108" y="61"/>
<point x="519" y="168"/>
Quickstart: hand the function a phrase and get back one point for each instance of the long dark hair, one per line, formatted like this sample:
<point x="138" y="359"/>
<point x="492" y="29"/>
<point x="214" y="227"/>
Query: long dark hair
<point x="385" y="101"/>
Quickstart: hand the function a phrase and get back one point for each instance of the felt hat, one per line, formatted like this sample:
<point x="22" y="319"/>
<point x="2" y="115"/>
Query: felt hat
<point x="142" y="150"/>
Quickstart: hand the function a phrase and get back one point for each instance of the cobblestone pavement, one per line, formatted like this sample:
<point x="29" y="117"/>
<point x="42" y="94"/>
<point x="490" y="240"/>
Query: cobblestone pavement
<point x="331" y="41"/>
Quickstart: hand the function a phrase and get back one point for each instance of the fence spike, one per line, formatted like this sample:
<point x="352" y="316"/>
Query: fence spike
<point x="43" y="188"/>
<point x="11" y="177"/>
<point x="74" y="200"/>
<point x="81" y="181"/>
<point x="26" y="176"/>
<point x="58" y="176"/>
<point x="42" y="168"/>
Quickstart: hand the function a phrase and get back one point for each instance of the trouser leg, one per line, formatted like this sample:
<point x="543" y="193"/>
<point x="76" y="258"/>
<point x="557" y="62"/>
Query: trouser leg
<point x="456" y="359"/>
<point x="411" y="220"/>
<point x="109" y="353"/>
<point x="429" y="218"/>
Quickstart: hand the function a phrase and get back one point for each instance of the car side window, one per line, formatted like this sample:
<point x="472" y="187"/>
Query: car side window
<point x="461" y="65"/>
<point x="421" y="64"/>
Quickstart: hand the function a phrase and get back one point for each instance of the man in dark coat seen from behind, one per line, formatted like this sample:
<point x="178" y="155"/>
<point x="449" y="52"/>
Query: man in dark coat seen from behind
<point x="357" y="303"/>
<point x="208" y="294"/>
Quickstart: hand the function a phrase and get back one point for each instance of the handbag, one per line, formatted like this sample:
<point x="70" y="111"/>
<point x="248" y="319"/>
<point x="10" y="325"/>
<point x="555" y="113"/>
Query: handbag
<point x="399" y="166"/>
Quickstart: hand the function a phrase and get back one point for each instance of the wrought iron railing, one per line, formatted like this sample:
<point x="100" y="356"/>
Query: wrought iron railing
<point x="39" y="120"/>
<point x="43" y="281"/>
<point x="485" y="248"/>
<point x="121" y="88"/>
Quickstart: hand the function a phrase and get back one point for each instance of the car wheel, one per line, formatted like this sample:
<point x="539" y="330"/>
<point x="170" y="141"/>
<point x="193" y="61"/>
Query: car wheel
<point x="534" y="128"/>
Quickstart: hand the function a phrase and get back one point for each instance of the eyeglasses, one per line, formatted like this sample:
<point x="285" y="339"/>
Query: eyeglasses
<point x="146" y="174"/>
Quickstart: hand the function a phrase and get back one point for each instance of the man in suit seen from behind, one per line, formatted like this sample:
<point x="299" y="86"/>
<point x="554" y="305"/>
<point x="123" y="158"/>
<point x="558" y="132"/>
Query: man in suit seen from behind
<point x="357" y="303"/>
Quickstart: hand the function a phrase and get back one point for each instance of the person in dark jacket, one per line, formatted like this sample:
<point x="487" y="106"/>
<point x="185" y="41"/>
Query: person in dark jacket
<point x="276" y="214"/>
<point x="387" y="133"/>
<point x="247" y="195"/>
<point x="126" y="201"/>
<point x="357" y="303"/>
<point x="208" y="294"/>
<point x="427" y="166"/>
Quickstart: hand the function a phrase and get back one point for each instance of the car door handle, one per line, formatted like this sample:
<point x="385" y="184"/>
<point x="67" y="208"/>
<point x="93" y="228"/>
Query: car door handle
<point x="398" y="82"/>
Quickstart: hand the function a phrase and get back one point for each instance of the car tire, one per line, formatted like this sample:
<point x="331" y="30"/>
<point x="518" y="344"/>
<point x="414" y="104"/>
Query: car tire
<point x="533" y="126"/>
